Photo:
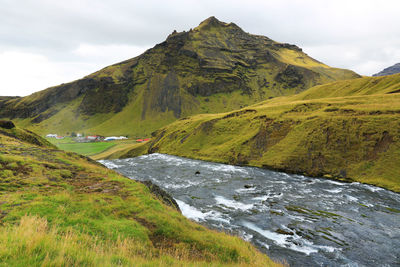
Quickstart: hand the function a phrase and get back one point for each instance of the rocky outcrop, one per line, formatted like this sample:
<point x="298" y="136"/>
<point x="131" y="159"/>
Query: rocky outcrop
<point x="161" y="194"/>
<point x="290" y="77"/>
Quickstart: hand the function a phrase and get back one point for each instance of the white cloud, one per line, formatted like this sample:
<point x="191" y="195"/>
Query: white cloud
<point x="108" y="54"/>
<point x="58" y="41"/>
<point x="25" y="73"/>
<point x="365" y="60"/>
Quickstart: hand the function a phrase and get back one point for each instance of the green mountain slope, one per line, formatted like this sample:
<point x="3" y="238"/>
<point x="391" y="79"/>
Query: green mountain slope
<point x="352" y="135"/>
<point x="62" y="209"/>
<point x="215" y="67"/>
<point x="355" y="87"/>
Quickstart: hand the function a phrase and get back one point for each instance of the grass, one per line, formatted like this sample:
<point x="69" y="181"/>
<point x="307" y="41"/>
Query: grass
<point x="351" y="135"/>
<point x="65" y="140"/>
<point x="59" y="208"/>
<point x="87" y="149"/>
<point x="119" y="148"/>
<point x="33" y="242"/>
<point x="355" y="87"/>
<point x="96" y="150"/>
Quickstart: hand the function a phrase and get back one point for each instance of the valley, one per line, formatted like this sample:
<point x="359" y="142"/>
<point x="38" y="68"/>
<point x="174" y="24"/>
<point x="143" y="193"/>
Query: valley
<point x="215" y="147"/>
<point x="350" y="135"/>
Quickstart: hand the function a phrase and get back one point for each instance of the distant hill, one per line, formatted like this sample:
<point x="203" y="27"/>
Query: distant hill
<point x="347" y="130"/>
<point x="215" y="67"/>
<point x="389" y="71"/>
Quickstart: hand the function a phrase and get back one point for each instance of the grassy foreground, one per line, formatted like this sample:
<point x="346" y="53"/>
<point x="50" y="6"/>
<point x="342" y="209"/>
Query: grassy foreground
<point x="61" y="209"/>
<point x="347" y="130"/>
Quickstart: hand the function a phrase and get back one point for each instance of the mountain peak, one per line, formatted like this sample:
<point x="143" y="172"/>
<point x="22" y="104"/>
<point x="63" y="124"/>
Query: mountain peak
<point x="213" y="22"/>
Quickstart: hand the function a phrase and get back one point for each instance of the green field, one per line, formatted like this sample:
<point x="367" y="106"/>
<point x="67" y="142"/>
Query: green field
<point x="97" y="150"/>
<point x="86" y="149"/>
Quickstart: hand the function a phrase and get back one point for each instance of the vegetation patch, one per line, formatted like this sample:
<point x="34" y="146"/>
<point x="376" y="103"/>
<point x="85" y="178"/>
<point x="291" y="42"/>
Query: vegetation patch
<point x="86" y="149"/>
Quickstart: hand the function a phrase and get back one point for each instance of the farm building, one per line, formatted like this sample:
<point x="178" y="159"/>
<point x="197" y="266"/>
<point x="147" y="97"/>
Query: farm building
<point x="111" y="138"/>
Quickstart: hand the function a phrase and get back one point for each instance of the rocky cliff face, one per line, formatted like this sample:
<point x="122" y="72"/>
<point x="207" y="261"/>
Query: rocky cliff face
<point x="389" y="71"/>
<point x="214" y="67"/>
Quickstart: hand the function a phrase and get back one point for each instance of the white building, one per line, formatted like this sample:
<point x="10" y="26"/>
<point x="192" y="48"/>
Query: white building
<point x="110" y="138"/>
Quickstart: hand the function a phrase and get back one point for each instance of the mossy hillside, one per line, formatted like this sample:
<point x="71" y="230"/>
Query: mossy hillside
<point x="65" y="120"/>
<point x="351" y="138"/>
<point x="360" y="86"/>
<point x="23" y="135"/>
<point x="215" y="67"/>
<point x="60" y="208"/>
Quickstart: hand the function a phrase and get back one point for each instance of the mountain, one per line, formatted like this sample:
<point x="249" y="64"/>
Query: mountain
<point x="215" y="67"/>
<point x="389" y="71"/>
<point x="62" y="209"/>
<point x="346" y="130"/>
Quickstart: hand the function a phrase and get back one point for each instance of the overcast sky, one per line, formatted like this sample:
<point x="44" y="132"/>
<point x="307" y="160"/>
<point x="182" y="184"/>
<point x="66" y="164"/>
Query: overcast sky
<point x="45" y="42"/>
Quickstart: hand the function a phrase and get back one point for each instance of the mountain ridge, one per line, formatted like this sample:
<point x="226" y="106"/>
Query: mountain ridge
<point x="389" y="70"/>
<point x="215" y="67"/>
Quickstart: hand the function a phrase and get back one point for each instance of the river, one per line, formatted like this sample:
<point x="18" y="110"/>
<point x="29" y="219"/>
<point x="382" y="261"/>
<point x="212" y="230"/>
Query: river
<point x="303" y="221"/>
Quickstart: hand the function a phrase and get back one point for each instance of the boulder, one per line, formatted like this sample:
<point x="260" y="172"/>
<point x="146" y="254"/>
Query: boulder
<point x="161" y="194"/>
